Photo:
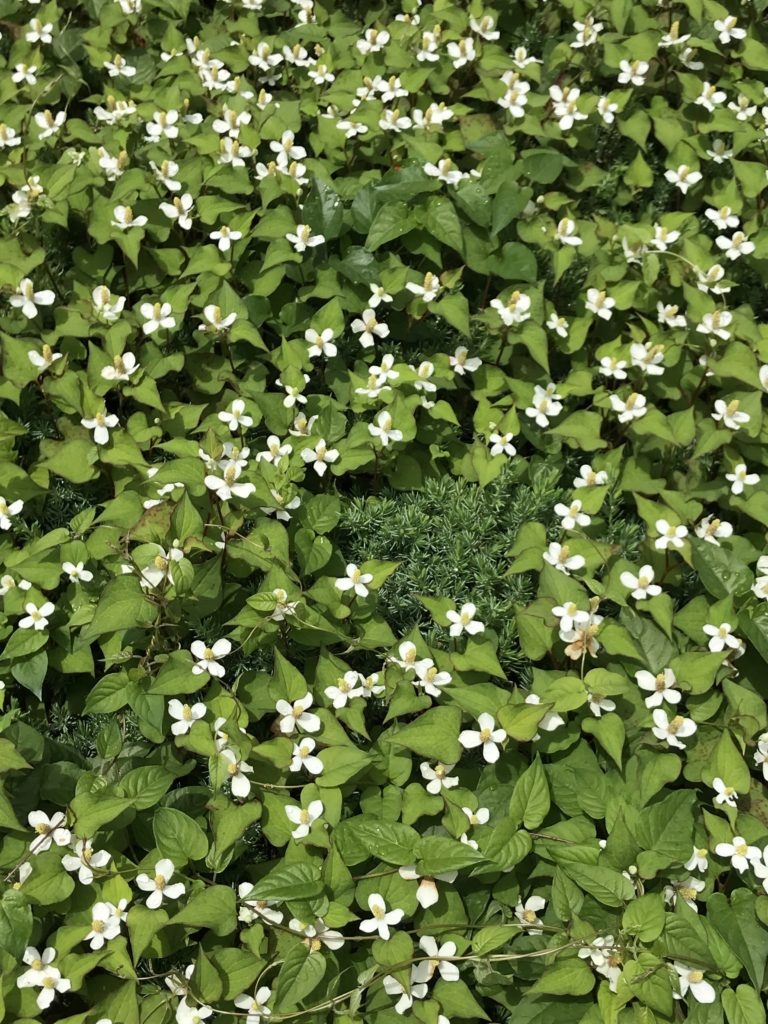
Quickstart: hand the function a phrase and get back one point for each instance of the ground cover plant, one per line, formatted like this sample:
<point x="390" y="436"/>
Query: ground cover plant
<point x="384" y="516"/>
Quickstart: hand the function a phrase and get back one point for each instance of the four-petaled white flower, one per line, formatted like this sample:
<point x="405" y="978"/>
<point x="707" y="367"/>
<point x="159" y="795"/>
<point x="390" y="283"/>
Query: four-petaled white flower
<point x="321" y="456"/>
<point x="236" y="417"/>
<point x="642" y="585"/>
<point x="741" y="478"/>
<point x="721" y="637"/>
<point x="303" y="757"/>
<point x="669" y="536"/>
<point x="36" y="617"/>
<point x="296" y="715"/>
<point x="27" y="299"/>
<point x="560" y="558"/>
<point x="724" y="794"/>
<point x="255" y="1005"/>
<point x="320" y="343"/>
<point x="303" y="238"/>
<point x="692" y="980"/>
<point x="382" y="918"/>
<point x="157" y="886"/>
<point x="739" y="852"/>
<point x="384" y="430"/>
<point x="355" y="579"/>
<point x="7" y="512"/>
<point x="303" y="817"/>
<point x="463" y="621"/>
<point x="487" y="736"/>
<point x="84" y="860"/>
<point x="157" y="315"/>
<point x="185" y="715"/>
<point x="100" y="424"/>
<point x="660" y="686"/>
<point x="207" y="658"/>
<point x="672" y="730"/>
<point x="528" y="914"/>
<point x="438" y="777"/>
<point x="48" y="830"/>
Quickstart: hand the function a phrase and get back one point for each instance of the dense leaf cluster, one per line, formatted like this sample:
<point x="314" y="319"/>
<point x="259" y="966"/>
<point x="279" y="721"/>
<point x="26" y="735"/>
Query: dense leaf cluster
<point x="384" y="479"/>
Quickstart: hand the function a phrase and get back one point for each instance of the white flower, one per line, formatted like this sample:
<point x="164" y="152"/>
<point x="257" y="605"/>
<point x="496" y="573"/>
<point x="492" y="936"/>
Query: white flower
<point x="84" y="860"/>
<point x="105" y="923"/>
<point x="692" y="979"/>
<point x="740" y="478"/>
<point x="461" y="53"/>
<point x="303" y="757"/>
<point x="728" y="31"/>
<point x="564" y="106"/>
<point x="501" y="444"/>
<point x="255" y="1005"/>
<point x="721" y="637"/>
<point x="528" y="914"/>
<point x="724" y="794"/>
<point x="642" y="585"/>
<point x="631" y="408"/>
<point x="216" y="321"/>
<point x="716" y="323"/>
<point x="607" y="110"/>
<point x="124" y="219"/>
<point x="25" y="73"/>
<point x="660" y="686"/>
<point x="462" y="362"/>
<point x="589" y="478"/>
<point x="672" y="730"/>
<point x="8" y="137"/>
<point x="122" y="368"/>
<point x="49" y="123"/>
<point x="180" y="210"/>
<point x="27" y="299"/>
<point x="711" y="529"/>
<point x="226" y="486"/>
<point x="487" y="736"/>
<point x="303" y="238"/>
<point x="166" y="174"/>
<point x="698" y="860"/>
<point x="599" y="303"/>
<point x="347" y="688"/>
<point x="320" y="456"/>
<point x="427" y="894"/>
<point x="373" y="41"/>
<point x="544" y="404"/>
<point x="369" y="328"/>
<point x="158" y="887"/>
<point x="649" y="357"/>
<point x="710" y="96"/>
<point x="43" y="975"/>
<point x="156" y="315"/>
<point x="207" y="658"/>
<point x="224" y="237"/>
<point x="683" y="177"/>
<point x="424" y="970"/>
<point x="355" y="580"/>
<point x="722" y="218"/>
<point x="565" y="232"/>
<point x="384" y="430"/>
<point x="669" y="536"/>
<point x="164" y="124"/>
<point x="428" y="290"/>
<point x="463" y="621"/>
<point x="598" y="704"/>
<point x="571" y="515"/>
<point x="186" y="715"/>
<point x="48" y="830"/>
<point x="237" y="772"/>
<point x="430" y="678"/>
<point x="107" y="306"/>
<point x="36" y="618"/>
<point x="485" y="28"/>
<point x="235" y="417"/>
<point x="445" y="171"/>
<point x="382" y="918"/>
<point x="670" y="316"/>
<point x="735" y="246"/>
<point x="119" y="66"/>
<point x="559" y="557"/>
<point x="100" y="424"/>
<point x="8" y="511"/>
<point x="275" y="451"/>
<point x="320" y="344"/>
<point x="438" y="777"/>
<point x="612" y="366"/>
<point x="76" y="573"/>
<point x="303" y="817"/>
<point x="296" y="715"/>
<point x="739" y="852"/>
<point x="515" y="310"/>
